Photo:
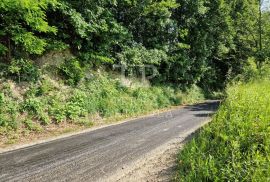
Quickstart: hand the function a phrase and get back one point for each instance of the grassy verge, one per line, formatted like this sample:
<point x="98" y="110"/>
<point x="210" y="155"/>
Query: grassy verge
<point x="236" y="145"/>
<point x="50" y="106"/>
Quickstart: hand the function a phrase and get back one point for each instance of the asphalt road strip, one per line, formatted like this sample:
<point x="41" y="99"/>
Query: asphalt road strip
<point x="102" y="154"/>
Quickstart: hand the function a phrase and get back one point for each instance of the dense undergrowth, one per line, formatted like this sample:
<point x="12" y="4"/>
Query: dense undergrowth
<point x="76" y="98"/>
<point x="236" y="145"/>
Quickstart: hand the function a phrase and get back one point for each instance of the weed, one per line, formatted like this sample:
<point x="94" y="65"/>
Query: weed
<point x="32" y="126"/>
<point x="235" y="146"/>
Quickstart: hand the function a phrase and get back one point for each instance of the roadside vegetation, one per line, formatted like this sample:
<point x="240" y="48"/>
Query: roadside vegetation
<point x="61" y="60"/>
<point x="26" y="108"/>
<point x="235" y="146"/>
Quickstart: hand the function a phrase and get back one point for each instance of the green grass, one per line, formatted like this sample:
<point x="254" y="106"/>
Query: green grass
<point x="236" y="145"/>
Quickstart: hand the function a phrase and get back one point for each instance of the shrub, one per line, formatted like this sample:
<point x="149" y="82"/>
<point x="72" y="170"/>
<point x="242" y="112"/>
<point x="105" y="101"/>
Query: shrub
<point x="45" y="87"/>
<point x="23" y="70"/>
<point x="2" y="99"/>
<point x="32" y="126"/>
<point x="252" y="72"/>
<point x="76" y="105"/>
<point x="57" y="109"/>
<point x="72" y="72"/>
<point x="193" y="94"/>
<point x="8" y="112"/>
<point x="37" y="108"/>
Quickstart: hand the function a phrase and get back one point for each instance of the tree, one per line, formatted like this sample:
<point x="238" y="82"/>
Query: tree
<point x="22" y="21"/>
<point x="90" y="28"/>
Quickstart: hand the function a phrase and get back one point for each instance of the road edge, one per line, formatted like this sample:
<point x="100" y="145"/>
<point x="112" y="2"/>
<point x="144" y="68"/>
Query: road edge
<point x="62" y="136"/>
<point x="150" y="156"/>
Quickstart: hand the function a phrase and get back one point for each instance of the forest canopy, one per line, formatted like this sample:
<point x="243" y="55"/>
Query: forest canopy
<point x="202" y="42"/>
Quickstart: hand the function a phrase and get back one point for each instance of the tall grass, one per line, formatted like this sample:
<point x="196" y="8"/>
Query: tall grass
<point x="236" y="145"/>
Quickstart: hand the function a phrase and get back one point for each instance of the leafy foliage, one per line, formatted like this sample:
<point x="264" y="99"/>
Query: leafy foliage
<point x="21" y="21"/>
<point x="23" y="70"/>
<point x="72" y="71"/>
<point x="8" y="112"/>
<point x="190" y="42"/>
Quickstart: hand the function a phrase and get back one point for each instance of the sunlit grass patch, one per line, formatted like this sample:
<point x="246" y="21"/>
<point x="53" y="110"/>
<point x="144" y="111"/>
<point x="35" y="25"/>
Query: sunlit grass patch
<point x="236" y="145"/>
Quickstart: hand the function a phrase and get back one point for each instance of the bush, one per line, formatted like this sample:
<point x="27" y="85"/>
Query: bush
<point x="236" y="145"/>
<point x="193" y="94"/>
<point x="72" y="72"/>
<point x="32" y="126"/>
<point x="23" y="70"/>
<point x="37" y="108"/>
<point x="252" y="72"/>
<point x="8" y="112"/>
<point x="57" y="109"/>
<point x="76" y="105"/>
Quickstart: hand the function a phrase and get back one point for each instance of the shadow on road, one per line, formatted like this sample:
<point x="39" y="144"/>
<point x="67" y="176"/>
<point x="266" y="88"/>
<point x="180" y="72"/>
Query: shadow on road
<point x="204" y="115"/>
<point x="208" y="108"/>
